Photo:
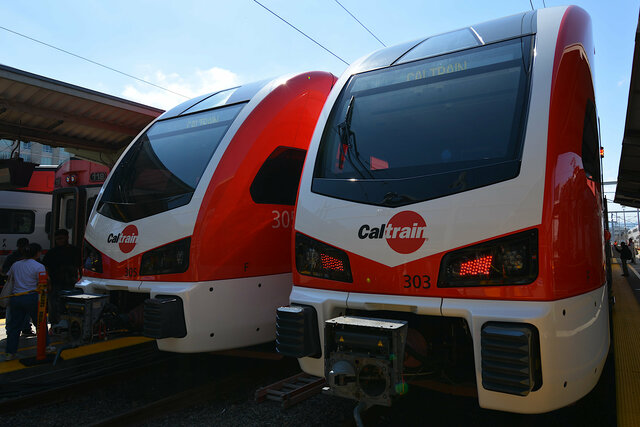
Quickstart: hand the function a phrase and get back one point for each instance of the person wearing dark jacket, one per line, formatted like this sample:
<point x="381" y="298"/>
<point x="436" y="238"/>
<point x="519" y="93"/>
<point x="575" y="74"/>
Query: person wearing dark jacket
<point x="625" y="255"/>
<point x="63" y="265"/>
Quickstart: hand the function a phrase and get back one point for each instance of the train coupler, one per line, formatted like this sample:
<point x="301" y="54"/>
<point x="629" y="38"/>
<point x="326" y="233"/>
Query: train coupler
<point x="364" y="358"/>
<point x="79" y="314"/>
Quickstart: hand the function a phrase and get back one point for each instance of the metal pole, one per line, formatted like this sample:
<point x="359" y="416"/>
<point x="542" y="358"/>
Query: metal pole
<point x="42" y="318"/>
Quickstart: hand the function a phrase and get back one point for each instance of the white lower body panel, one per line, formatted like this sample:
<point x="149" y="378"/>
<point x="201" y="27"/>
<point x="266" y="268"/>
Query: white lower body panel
<point x="219" y="314"/>
<point x="574" y="342"/>
<point x="573" y="332"/>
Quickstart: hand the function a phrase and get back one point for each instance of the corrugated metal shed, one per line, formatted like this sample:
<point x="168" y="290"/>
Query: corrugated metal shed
<point x="39" y="109"/>
<point x="628" y="188"/>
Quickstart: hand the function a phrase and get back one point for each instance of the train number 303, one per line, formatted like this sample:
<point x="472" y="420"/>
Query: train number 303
<point x="417" y="281"/>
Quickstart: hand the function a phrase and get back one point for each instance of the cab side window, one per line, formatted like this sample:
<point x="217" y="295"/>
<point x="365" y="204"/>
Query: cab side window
<point x="277" y="181"/>
<point x="590" y="144"/>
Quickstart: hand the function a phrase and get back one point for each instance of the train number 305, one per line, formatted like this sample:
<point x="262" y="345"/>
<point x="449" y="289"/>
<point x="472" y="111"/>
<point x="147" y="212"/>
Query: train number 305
<point x="282" y="219"/>
<point x="417" y="281"/>
<point x="130" y="272"/>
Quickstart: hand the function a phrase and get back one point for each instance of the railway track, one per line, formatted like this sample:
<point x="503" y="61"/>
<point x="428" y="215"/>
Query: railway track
<point x="45" y="387"/>
<point x="133" y="387"/>
<point x="238" y="378"/>
<point x="178" y="401"/>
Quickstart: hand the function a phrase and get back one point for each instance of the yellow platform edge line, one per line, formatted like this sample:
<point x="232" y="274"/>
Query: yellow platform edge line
<point x="626" y="338"/>
<point x="83" y="351"/>
<point x="10" y="366"/>
<point x="87" y="350"/>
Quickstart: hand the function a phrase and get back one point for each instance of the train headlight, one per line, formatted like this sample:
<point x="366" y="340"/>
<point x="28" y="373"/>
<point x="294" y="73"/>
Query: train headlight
<point x="317" y="259"/>
<point x="167" y="259"/>
<point x="92" y="258"/>
<point x="511" y="260"/>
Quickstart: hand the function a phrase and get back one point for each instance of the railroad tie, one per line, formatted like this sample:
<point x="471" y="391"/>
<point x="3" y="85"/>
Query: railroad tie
<point x="292" y="390"/>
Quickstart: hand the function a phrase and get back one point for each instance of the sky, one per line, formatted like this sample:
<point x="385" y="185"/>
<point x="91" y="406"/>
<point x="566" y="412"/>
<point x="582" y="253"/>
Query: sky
<point x="194" y="47"/>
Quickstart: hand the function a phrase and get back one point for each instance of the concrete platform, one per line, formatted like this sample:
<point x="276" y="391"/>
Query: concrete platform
<point x="626" y="342"/>
<point x="27" y="347"/>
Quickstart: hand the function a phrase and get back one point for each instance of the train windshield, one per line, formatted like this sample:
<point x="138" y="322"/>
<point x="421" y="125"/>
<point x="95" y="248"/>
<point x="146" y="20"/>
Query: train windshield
<point x="428" y="128"/>
<point x="163" y="168"/>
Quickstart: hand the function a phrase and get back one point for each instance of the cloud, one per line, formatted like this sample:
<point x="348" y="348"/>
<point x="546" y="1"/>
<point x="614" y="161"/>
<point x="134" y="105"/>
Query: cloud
<point x="621" y="82"/>
<point x="199" y="83"/>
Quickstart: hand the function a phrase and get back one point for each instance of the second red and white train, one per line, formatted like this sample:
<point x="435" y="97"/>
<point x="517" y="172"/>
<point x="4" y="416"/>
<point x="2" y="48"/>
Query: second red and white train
<point x="190" y="235"/>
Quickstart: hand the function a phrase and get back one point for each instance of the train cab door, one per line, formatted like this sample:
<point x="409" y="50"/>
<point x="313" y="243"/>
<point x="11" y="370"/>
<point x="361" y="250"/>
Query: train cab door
<point x="68" y="212"/>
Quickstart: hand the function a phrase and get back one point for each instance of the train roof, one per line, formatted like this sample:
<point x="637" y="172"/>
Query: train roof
<point x="476" y="35"/>
<point x="229" y="96"/>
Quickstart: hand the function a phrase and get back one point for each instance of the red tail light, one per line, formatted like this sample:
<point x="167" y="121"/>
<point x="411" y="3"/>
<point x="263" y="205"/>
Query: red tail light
<point x="317" y="259"/>
<point x="331" y="263"/>
<point x="167" y="259"/>
<point x="511" y="260"/>
<point x="477" y="267"/>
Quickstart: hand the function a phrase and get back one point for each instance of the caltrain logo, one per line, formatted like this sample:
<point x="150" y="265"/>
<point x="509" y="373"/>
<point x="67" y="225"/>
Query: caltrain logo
<point x="405" y="232"/>
<point x="126" y="240"/>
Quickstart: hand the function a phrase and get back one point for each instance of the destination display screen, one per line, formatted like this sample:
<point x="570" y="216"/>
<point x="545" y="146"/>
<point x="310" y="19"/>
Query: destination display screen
<point x="428" y="128"/>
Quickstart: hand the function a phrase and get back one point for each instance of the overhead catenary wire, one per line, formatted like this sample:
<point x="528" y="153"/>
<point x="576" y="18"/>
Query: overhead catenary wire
<point x="358" y="21"/>
<point x="92" y="61"/>
<point x="298" y="30"/>
<point x="531" y="3"/>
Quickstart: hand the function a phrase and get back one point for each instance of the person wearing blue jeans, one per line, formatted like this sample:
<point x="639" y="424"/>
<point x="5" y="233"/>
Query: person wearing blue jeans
<point x="24" y="275"/>
<point x="17" y="255"/>
<point x="22" y="307"/>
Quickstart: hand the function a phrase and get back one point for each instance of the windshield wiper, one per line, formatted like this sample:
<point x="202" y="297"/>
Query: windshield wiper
<point x="344" y="130"/>
<point x="394" y="199"/>
<point x="348" y="143"/>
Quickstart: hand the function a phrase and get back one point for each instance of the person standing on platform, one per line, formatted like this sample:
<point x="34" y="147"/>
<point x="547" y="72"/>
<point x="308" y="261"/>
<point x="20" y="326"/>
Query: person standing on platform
<point x="24" y="276"/>
<point x="63" y="263"/>
<point x="17" y="255"/>
<point x="625" y="255"/>
<point x="632" y="248"/>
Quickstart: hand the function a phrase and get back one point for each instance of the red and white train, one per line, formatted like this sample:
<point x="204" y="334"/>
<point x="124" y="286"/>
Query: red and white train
<point x="61" y="196"/>
<point x="196" y="216"/>
<point x="26" y="211"/>
<point x="449" y="227"/>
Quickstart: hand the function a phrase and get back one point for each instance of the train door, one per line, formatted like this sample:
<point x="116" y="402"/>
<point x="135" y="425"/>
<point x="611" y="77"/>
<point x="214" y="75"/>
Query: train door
<point x="68" y="209"/>
<point x="71" y="209"/>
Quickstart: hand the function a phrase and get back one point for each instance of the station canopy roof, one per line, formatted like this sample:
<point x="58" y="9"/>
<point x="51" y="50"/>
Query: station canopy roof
<point x="89" y="124"/>
<point x="628" y="188"/>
